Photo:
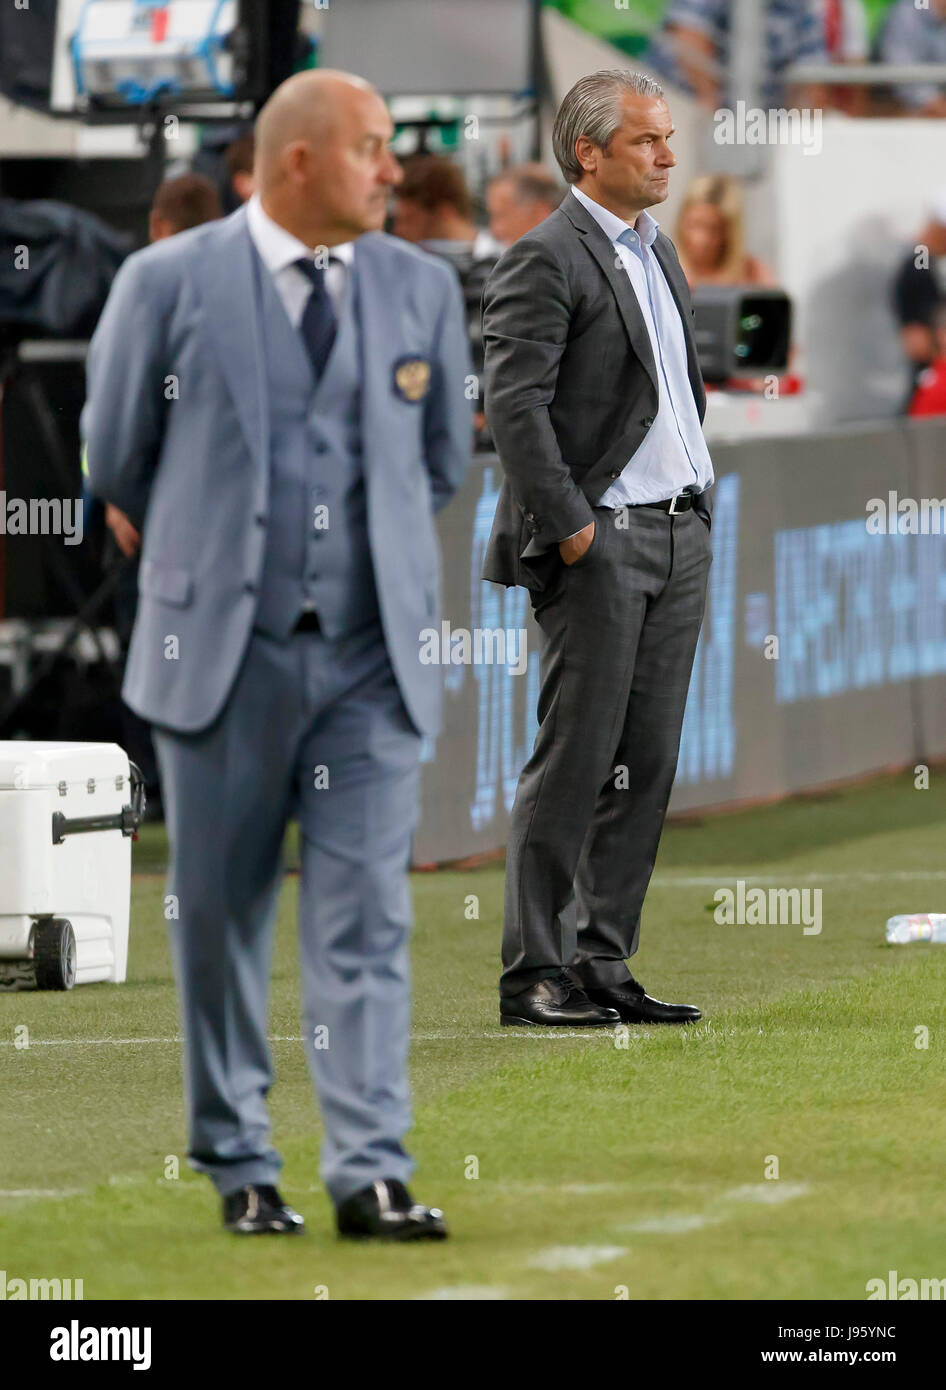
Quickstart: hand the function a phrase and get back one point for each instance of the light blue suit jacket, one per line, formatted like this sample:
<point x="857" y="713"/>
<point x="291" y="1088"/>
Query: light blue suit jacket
<point x="176" y="426"/>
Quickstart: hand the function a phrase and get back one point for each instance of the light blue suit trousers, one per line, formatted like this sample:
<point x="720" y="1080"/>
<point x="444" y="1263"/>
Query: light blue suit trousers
<point x="303" y="713"/>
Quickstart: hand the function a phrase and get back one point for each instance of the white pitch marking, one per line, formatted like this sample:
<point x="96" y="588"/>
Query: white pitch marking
<point x="118" y="1042"/>
<point x="536" y="1034"/>
<point x="22" y="1192"/>
<point x="87" y="1042"/>
<point x="115" y="1180"/>
<point x="718" y="880"/>
<point x="559" y="1257"/>
<point x="676" y="1223"/>
<point x="573" y="1189"/>
<point x="464" y="1293"/>
<point x="768" y="1193"/>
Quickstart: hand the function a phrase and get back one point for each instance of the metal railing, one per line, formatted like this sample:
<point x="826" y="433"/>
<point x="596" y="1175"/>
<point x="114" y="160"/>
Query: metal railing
<point x="866" y="74"/>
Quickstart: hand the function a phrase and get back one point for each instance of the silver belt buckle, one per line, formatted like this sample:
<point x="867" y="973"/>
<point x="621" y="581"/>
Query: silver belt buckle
<point x="674" y="510"/>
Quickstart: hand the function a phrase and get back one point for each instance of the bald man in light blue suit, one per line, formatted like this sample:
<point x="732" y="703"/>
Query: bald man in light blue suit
<point x="279" y="402"/>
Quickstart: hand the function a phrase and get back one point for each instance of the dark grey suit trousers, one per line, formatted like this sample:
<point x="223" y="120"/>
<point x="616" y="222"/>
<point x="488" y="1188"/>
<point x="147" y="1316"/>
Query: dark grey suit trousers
<point x="620" y="627"/>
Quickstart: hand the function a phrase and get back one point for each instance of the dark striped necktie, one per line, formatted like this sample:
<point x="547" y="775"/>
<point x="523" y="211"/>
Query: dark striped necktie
<point x="318" y="325"/>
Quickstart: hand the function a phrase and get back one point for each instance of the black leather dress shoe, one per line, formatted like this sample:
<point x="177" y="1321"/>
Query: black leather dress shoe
<point x="557" y="1002"/>
<point x="387" y="1210"/>
<point x="259" y="1210"/>
<point x="634" y="1006"/>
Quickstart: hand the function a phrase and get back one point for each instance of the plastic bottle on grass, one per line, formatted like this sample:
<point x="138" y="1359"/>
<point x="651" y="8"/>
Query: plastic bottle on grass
<point x="917" y="926"/>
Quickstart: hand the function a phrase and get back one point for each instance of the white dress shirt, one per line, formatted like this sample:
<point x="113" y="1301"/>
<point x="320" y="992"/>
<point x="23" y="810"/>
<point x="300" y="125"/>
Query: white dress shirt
<point x="278" y="250"/>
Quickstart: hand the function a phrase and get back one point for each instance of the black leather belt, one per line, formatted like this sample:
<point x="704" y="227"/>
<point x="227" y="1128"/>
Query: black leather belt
<point x="683" y="502"/>
<point x="308" y="621"/>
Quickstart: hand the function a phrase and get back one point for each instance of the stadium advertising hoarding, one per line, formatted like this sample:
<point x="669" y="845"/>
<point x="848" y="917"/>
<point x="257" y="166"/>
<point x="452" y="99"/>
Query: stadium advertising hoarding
<point x="822" y="655"/>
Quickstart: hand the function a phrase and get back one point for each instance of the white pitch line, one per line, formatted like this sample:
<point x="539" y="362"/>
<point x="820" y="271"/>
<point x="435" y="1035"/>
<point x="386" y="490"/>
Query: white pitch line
<point x="771" y="1193"/>
<point x="463" y="1293"/>
<point x="575" y="1189"/>
<point x="786" y="876"/>
<point x="559" y="1257"/>
<point x="21" y="1192"/>
<point x="86" y="1042"/>
<point x="537" y="1034"/>
<point x="507" y="1034"/>
<point x="115" y="1180"/>
<point x="674" y="1223"/>
<point x="113" y="1042"/>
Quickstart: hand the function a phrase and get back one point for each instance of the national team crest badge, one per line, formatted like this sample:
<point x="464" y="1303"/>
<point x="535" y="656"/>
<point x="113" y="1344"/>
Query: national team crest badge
<point x="412" y="378"/>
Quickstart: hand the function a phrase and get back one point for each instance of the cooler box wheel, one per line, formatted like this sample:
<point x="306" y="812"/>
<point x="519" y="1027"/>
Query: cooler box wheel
<point x="54" y="954"/>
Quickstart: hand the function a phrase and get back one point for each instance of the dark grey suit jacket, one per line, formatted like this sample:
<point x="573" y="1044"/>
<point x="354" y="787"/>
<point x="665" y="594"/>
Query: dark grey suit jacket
<point x="570" y="384"/>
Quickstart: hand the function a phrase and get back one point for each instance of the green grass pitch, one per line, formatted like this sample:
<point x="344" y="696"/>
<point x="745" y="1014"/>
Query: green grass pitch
<point x="568" y="1167"/>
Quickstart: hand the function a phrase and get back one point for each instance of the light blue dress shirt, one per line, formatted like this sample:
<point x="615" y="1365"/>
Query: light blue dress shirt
<point x="673" y="454"/>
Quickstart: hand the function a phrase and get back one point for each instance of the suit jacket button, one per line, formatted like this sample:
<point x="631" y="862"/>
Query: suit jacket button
<point x="615" y="475"/>
<point x="260" y="518"/>
<point x="647" y="421"/>
<point x="249" y="587"/>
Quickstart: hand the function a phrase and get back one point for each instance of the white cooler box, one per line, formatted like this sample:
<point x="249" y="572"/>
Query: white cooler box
<point x="68" y="812"/>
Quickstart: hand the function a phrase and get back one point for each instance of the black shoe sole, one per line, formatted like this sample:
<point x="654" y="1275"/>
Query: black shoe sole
<point x="264" y="1230"/>
<point x="404" y="1234"/>
<point x="506" y="1022"/>
<point x="658" y="1022"/>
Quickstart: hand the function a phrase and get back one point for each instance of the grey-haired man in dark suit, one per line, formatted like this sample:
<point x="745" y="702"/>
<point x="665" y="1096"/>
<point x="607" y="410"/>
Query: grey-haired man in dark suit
<point x="595" y="401"/>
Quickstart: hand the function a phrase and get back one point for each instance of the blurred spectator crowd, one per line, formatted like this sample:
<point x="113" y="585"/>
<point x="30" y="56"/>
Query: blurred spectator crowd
<point x="692" y="49"/>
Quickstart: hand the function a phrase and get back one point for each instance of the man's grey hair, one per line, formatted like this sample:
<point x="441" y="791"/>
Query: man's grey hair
<point x="593" y="108"/>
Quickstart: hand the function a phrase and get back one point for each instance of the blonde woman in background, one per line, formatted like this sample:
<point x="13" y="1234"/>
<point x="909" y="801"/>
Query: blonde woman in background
<point x="710" y="236"/>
